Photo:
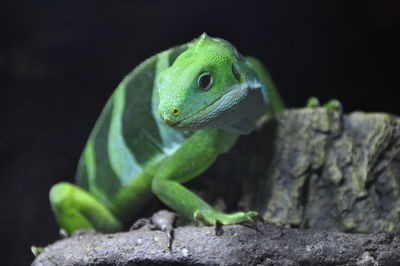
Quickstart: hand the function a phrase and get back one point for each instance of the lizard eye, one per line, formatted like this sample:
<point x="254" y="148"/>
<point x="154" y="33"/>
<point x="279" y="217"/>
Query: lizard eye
<point x="235" y="72"/>
<point x="175" y="111"/>
<point x="205" y="81"/>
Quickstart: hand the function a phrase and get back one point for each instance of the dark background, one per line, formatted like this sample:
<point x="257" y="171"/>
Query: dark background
<point x="60" y="60"/>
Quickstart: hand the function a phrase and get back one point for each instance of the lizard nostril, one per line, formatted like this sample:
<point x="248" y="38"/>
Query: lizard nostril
<point x="175" y="111"/>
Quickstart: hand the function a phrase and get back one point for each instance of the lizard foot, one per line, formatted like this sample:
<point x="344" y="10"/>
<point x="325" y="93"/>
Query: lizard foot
<point x="234" y="218"/>
<point x="331" y="104"/>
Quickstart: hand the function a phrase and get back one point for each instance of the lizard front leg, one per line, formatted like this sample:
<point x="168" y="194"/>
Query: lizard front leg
<point x="192" y="158"/>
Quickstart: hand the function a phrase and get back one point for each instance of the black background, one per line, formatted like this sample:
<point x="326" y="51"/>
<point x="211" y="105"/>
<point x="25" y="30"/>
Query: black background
<point x="60" y="60"/>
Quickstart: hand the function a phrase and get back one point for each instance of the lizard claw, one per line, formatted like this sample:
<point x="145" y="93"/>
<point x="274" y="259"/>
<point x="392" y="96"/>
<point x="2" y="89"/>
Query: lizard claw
<point x="197" y="217"/>
<point x="253" y="222"/>
<point x="218" y="228"/>
<point x="36" y="250"/>
<point x="62" y="233"/>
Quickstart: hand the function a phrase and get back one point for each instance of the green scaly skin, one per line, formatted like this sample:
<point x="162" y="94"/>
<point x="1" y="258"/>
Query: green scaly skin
<point x="165" y="124"/>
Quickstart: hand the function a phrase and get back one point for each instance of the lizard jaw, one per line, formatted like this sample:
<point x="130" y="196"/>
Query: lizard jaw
<point x="205" y="117"/>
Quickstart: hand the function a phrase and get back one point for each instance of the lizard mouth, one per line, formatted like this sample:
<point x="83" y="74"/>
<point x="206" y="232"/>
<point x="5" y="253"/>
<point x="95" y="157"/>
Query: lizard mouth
<point x="211" y="112"/>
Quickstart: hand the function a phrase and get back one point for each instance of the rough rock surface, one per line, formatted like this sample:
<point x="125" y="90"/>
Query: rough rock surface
<point x="238" y="245"/>
<point x="309" y="168"/>
<point x="330" y="171"/>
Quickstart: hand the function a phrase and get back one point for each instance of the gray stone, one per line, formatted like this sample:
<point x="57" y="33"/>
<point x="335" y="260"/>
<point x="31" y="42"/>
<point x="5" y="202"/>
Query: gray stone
<point x="333" y="172"/>
<point x="238" y="245"/>
<point x="307" y="168"/>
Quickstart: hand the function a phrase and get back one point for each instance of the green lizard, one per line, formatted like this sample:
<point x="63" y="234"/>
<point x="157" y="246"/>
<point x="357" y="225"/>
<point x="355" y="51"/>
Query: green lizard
<point x="165" y="124"/>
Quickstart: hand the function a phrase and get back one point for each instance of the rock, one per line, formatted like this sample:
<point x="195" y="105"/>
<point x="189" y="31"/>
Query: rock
<point x="333" y="172"/>
<point x="239" y="245"/>
<point x="307" y="168"/>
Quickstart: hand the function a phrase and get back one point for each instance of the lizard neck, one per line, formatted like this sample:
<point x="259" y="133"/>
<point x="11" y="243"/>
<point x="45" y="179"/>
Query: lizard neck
<point x="243" y="117"/>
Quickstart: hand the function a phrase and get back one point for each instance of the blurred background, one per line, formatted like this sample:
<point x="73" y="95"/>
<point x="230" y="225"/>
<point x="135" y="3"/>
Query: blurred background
<point x="60" y="61"/>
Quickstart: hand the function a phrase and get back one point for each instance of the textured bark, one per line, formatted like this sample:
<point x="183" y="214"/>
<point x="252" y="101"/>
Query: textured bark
<point x="238" y="245"/>
<point x="330" y="171"/>
<point x="310" y="168"/>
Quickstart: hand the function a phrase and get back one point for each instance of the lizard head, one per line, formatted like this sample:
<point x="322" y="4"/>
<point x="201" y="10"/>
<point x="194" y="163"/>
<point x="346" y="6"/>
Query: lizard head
<point x="203" y="85"/>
